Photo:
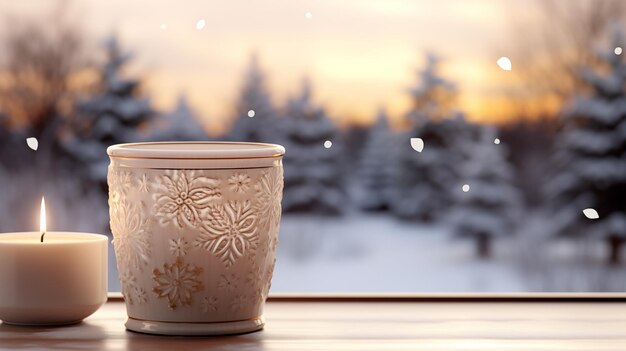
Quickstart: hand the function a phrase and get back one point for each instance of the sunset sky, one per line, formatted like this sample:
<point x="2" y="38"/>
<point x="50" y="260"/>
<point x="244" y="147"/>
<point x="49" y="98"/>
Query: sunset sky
<point x="359" y="54"/>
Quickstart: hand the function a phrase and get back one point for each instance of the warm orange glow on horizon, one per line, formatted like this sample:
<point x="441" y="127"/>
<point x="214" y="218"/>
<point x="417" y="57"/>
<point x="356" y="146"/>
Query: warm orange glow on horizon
<point x="361" y="55"/>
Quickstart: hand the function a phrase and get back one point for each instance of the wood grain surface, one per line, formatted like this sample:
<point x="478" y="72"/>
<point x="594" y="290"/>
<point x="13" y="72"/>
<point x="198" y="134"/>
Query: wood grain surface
<point x="374" y="324"/>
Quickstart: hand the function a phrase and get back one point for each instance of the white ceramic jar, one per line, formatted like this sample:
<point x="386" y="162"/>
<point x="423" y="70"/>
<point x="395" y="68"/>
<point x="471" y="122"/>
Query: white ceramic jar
<point x="195" y="229"/>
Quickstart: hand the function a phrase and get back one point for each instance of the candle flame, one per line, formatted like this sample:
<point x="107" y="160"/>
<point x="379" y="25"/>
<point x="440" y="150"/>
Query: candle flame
<point x="42" y="217"/>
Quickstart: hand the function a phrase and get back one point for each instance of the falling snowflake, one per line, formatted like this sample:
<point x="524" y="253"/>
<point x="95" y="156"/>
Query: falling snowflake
<point x="251" y="113"/>
<point x="179" y="247"/>
<point x="591" y="213"/>
<point x="228" y="282"/>
<point x="618" y="50"/>
<point x="465" y="188"/>
<point x="496" y="141"/>
<point x="328" y="144"/>
<point x="177" y="282"/>
<point x="32" y="143"/>
<point x="209" y="304"/>
<point x="308" y="15"/>
<point x="505" y="63"/>
<point x="180" y="196"/>
<point x="238" y="302"/>
<point x="239" y="182"/>
<point x="417" y="144"/>
<point x="230" y="231"/>
<point x="200" y="24"/>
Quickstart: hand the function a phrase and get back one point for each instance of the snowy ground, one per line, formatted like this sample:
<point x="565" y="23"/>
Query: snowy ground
<point x="377" y="253"/>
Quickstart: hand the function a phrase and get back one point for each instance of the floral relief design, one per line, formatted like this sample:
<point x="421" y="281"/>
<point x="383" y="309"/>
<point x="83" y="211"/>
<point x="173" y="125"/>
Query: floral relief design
<point x="230" y="231"/>
<point x="178" y="282"/>
<point x="228" y="282"/>
<point x="181" y="195"/>
<point x="209" y="304"/>
<point x="239" y="183"/>
<point x="238" y="302"/>
<point x="240" y="227"/>
<point x="130" y="237"/>
<point x="269" y="192"/>
<point x="179" y="247"/>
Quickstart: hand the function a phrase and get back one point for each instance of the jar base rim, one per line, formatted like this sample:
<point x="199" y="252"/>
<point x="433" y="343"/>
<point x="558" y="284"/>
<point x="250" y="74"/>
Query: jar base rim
<point x="195" y="328"/>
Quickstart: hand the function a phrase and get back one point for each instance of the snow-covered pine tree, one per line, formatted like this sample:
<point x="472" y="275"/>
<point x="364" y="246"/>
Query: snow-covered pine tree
<point x="114" y="114"/>
<point x="313" y="181"/>
<point x="254" y="97"/>
<point x="592" y="153"/>
<point x="179" y="124"/>
<point x="375" y="167"/>
<point x="422" y="181"/>
<point x="490" y="207"/>
<point x="433" y="97"/>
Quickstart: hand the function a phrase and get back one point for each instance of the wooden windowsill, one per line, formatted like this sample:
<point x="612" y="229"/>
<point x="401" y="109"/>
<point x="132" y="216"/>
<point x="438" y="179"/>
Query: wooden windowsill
<point x="372" y="322"/>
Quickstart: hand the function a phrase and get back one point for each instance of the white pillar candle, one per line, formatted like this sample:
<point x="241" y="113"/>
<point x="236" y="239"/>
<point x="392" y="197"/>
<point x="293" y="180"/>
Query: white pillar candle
<point x="60" y="280"/>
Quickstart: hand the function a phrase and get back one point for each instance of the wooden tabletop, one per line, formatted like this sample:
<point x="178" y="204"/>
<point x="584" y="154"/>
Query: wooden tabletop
<point x="366" y="324"/>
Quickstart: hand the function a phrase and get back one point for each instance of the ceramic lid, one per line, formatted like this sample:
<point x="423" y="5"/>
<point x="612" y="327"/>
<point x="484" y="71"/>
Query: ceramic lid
<point x="196" y="150"/>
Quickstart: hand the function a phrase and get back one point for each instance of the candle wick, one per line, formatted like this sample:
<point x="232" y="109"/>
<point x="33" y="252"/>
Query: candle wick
<point x="42" y="234"/>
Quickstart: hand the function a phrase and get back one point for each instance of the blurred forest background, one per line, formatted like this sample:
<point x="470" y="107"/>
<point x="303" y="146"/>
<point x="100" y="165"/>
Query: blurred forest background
<point x="488" y="205"/>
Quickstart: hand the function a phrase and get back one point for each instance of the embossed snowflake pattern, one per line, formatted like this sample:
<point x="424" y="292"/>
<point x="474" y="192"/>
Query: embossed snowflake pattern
<point x="228" y="282"/>
<point x="181" y="195"/>
<point x="120" y="183"/>
<point x="178" y="282"/>
<point x="263" y="249"/>
<point x="257" y="296"/>
<point x="269" y="192"/>
<point x="179" y="247"/>
<point x="238" y="302"/>
<point x="230" y="231"/>
<point x="209" y="304"/>
<point x="273" y="245"/>
<point x="239" y="183"/>
<point x="131" y="292"/>
<point x="140" y="295"/>
<point x="254" y="276"/>
<point x="130" y="237"/>
<point x="127" y="282"/>
<point x="144" y="183"/>
<point x="268" y="279"/>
